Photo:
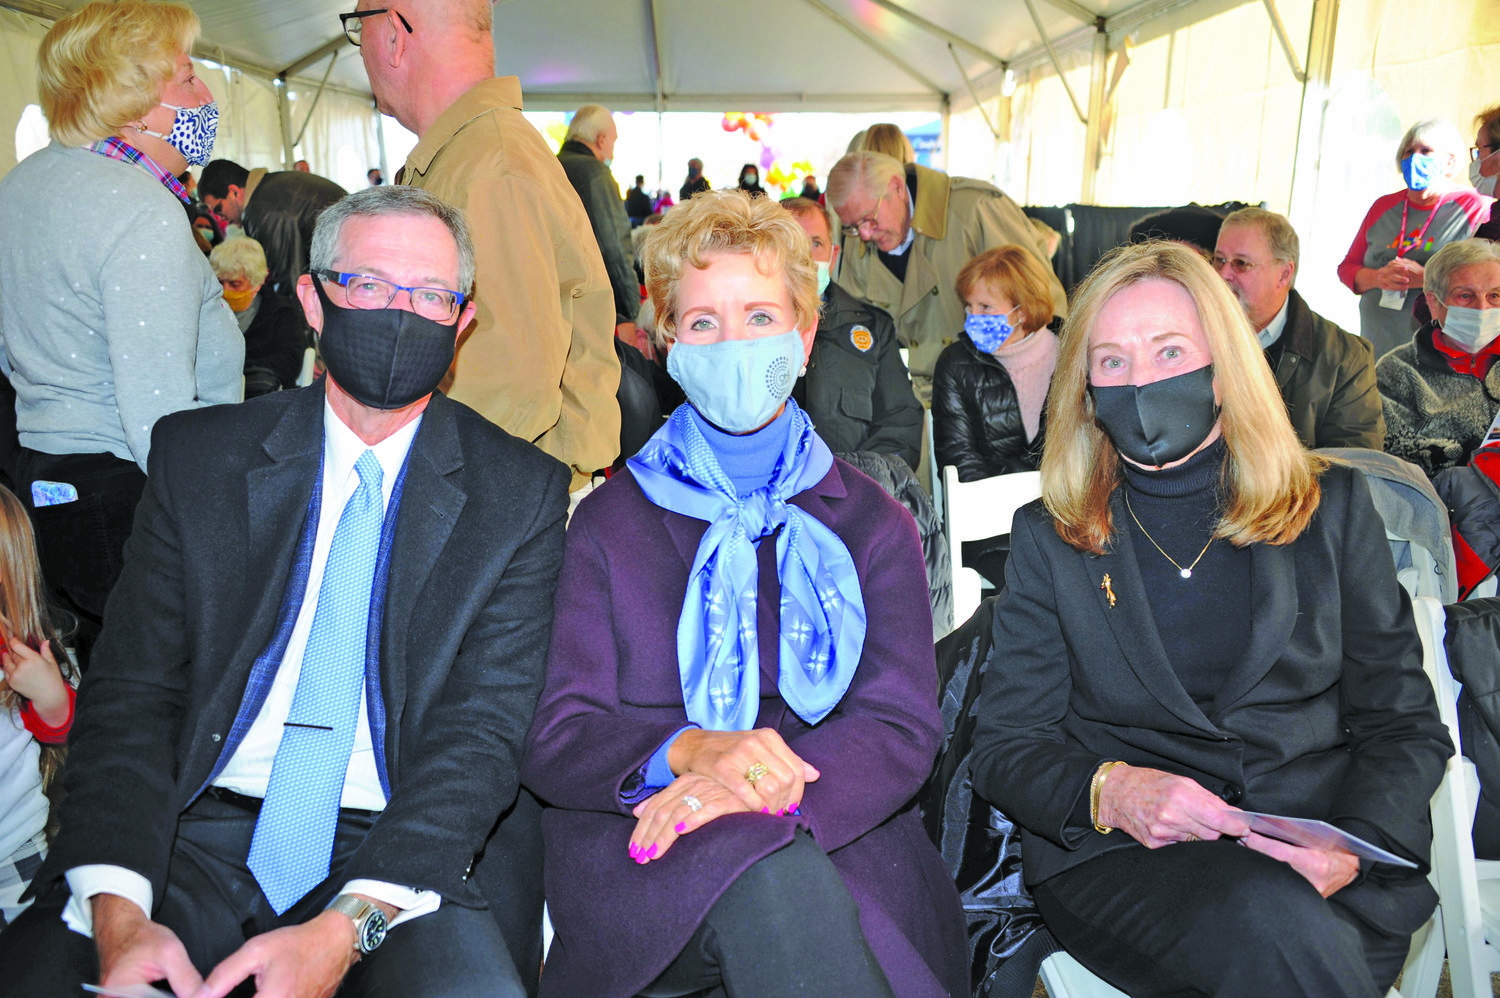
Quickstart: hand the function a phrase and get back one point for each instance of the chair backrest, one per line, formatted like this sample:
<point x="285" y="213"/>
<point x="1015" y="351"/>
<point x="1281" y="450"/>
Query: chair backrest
<point x="1457" y="874"/>
<point x="977" y="510"/>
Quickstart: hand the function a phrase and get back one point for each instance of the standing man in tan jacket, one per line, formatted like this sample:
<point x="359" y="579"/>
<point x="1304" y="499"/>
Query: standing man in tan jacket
<point x="539" y="359"/>
<point x="908" y="231"/>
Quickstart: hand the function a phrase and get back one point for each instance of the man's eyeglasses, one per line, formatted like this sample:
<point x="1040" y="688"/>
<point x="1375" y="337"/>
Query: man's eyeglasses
<point x="852" y="229"/>
<point x="1237" y="264"/>
<point x="354" y="23"/>
<point x="362" y="291"/>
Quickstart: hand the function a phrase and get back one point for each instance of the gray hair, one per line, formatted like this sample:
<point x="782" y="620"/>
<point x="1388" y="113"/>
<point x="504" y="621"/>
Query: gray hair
<point x="1436" y="132"/>
<point x="589" y="122"/>
<point x="239" y="257"/>
<point x="1280" y="235"/>
<point x="1438" y="273"/>
<point x="868" y="172"/>
<point x="387" y="202"/>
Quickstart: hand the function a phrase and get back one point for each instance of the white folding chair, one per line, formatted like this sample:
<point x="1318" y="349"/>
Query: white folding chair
<point x="974" y="511"/>
<point x="1065" y="977"/>
<point x="1467" y="922"/>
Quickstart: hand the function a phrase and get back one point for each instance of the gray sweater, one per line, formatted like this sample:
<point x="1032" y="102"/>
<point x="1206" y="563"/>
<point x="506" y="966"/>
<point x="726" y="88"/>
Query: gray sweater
<point x="110" y="317"/>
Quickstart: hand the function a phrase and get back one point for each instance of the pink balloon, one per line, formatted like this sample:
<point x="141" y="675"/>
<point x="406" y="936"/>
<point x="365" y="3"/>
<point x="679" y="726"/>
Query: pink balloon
<point x="767" y="157"/>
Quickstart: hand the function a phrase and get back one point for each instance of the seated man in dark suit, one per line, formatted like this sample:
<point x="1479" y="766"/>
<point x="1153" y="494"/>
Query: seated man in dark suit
<point x="307" y="707"/>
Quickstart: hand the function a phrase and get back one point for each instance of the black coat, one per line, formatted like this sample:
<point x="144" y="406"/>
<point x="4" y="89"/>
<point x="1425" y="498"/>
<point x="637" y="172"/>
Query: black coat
<point x="601" y="199"/>
<point x="1327" y="380"/>
<point x="280" y="214"/>
<point x="856" y="389"/>
<point x="275" y="343"/>
<point x="468" y="614"/>
<point x="1326" y="715"/>
<point x="976" y="417"/>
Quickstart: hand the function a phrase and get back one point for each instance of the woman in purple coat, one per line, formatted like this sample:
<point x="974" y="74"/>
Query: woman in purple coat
<point x="741" y="698"/>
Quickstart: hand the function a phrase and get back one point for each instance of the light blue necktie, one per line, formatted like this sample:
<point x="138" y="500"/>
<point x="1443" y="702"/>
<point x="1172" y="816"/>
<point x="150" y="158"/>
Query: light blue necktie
<point x="293" y="842"/>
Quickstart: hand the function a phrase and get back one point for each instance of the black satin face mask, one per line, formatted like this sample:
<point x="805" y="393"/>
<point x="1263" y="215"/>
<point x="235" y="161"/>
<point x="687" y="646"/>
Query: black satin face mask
<point x="384" y="358"/>
<point x="1158" y="423"/>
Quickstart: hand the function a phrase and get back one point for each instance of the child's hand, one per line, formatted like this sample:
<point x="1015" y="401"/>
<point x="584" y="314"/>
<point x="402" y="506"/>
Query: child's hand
<point x="36" y="677"/>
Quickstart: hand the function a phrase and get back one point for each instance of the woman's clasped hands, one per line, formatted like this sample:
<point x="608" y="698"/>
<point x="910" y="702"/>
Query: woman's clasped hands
<point x="719" y="773"/>
<point x="1158" y="809"/>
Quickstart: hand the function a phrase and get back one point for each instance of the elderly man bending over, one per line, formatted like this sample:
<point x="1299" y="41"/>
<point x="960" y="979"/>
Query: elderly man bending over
<point x="307" y="707"/>
<point x="908" y="231"/>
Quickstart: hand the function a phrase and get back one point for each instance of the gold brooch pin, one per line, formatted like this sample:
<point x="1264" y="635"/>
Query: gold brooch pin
<point x="1107" y="590"/>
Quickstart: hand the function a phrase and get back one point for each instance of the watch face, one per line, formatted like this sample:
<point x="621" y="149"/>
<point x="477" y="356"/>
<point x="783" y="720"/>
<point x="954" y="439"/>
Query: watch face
<point x="372" y="931"/>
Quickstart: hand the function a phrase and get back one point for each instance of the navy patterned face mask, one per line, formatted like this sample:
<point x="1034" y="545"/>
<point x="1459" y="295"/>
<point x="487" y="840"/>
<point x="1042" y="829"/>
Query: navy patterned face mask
<point x="193" y="131"/>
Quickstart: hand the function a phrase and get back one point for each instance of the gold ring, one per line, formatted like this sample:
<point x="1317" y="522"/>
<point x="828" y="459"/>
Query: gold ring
<point x="754" y="774"/>
<point x="1192" y="838"/>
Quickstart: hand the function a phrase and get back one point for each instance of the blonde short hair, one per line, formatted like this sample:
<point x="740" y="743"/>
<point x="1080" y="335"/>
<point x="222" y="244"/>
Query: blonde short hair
<point x="103" y="66"/>
<point x="891" y="140"/>
<point x="864" y="171"/>
<point x="1018" y="274"/>
<point x="729" y="221"/>
<point x="239" y="257"/>
<point x="1270" y="479"/>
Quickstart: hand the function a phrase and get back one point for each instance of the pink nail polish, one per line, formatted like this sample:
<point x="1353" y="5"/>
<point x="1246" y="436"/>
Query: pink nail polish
<point x="780" y="812"/>
<point x="681" y="827"/>
<point x="634" y="850"/>
<point x="651" y="853"/>
<point x="765" y="810"/>
<point x="792" y="809"/>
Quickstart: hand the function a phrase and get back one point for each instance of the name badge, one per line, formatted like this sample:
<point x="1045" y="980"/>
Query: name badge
<point x="862" y="339"/>
<point x="1394" y="300"/>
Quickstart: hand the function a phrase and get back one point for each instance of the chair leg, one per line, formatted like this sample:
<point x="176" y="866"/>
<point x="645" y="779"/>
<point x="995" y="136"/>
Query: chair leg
<point x="1424" y="961"/>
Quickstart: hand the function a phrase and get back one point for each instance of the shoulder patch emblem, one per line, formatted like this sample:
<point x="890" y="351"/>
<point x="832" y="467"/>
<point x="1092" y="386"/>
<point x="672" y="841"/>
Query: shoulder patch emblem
<point x="862" y="338"/>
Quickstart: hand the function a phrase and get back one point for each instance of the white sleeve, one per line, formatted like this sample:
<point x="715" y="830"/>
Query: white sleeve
<point x="413" y="903"/>
<point x="102" y="878"/>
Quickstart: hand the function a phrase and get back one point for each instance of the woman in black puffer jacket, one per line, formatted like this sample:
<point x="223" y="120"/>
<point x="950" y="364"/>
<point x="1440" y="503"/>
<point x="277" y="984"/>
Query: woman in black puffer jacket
<point x="989" y="387"/>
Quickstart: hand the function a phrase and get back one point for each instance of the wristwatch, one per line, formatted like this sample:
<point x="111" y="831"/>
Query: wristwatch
<point x="369" y="921"/>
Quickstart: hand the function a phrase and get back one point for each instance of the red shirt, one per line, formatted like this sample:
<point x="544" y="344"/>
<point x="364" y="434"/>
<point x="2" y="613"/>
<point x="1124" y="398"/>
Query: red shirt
<point x="1477" y="364"/>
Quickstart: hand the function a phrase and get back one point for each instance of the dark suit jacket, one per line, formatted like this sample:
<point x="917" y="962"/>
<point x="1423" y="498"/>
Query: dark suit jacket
<point x="613" y="695"/>
<point x="1327" y="379"/>
<point x="1328" y="714"/>
<point x="474" y="563"/>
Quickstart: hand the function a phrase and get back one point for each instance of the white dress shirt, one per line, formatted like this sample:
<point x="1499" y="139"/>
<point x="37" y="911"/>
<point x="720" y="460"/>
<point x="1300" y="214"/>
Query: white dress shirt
<point x="1274" y="328"/>
<point x="248" y="771"/>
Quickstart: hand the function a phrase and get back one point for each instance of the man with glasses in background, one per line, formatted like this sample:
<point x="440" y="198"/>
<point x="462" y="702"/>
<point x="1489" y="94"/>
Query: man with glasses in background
<point x="307" y="707"/>
<point x="540" y="359"/>
<point x="1326" y="375"/>
<point x="908" y="231"/>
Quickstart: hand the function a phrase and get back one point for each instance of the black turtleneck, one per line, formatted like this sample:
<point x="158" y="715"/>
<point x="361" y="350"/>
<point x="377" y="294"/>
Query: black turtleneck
<point x="1204" y="620"/>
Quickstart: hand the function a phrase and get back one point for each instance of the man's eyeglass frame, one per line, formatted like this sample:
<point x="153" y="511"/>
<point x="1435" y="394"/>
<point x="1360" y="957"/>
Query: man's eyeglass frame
<point x="353" y="23"/>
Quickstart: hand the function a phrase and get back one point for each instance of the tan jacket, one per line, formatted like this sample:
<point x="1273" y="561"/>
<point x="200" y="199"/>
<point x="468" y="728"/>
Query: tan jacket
<point x="539" y="360"/>
<point x="955" y="220"/>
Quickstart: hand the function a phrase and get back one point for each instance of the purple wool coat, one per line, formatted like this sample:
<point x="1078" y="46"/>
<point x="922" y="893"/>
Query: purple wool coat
<point x="613" y="695"/>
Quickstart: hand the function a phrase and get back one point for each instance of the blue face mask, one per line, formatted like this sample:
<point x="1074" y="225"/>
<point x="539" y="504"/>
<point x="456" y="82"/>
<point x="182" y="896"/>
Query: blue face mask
<point x="738" y="384"/>
<point x="988" y="332"/>
<point x="1418" y="170"/>
<point x="193" y="132"/>
<point x="824" y="276"/>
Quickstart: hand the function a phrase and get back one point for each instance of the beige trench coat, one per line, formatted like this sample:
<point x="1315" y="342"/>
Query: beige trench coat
<point x="955" y="220"/>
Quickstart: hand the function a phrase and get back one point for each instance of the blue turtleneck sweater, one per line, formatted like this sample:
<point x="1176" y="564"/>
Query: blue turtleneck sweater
<point x="749" y="459"/>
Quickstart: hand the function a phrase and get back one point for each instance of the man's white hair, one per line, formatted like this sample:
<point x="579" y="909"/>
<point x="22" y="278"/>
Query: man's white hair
<point x="589" y="122"/>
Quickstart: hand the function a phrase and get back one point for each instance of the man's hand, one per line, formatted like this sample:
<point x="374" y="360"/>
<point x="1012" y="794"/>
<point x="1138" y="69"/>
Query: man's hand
<point x="665" y="816"/>
<point x="300" y="961"/>
<point x="135" y="950"/>
<point x="1328" y="870"/>
<point x="36" y="677"/>
<point x="1157" y="808"/>
<point x="726" y="756"/>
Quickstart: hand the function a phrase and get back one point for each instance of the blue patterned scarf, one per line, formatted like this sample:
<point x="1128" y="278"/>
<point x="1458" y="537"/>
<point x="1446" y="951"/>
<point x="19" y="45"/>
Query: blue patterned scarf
<point x="822" y="608"/>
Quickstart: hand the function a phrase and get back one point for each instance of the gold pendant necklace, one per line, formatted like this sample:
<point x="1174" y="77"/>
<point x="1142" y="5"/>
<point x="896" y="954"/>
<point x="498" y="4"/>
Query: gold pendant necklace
<point x="1186" y="573"/>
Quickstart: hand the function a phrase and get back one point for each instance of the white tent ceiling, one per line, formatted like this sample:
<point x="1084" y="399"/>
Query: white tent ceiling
<point x="769" y="55"/>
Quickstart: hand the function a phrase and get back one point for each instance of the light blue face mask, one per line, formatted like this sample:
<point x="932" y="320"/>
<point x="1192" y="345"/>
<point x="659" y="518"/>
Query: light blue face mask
<point x="1418" y="170"/>
<point x="738" y="384"/>
<point x="989" y="332"/>
<point x="824" y="276"/>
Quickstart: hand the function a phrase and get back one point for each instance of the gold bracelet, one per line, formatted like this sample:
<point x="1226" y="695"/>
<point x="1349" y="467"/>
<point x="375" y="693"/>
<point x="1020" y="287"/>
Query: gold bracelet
<point x="1096" y="786"/>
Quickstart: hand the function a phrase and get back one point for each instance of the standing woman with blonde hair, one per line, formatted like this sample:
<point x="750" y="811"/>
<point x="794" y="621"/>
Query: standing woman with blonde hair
<point x="109" y="314"/>
<point x="1201" y="619"/>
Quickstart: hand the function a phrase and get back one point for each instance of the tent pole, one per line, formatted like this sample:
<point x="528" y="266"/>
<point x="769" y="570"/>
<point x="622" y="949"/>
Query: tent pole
<point x="1286" y="42"/>
<point x="877" y="45"/>
<point x="284" y="113"/>
<point x="1302" y="199"/>
<point x="312" y="105"/>
<point x="941" y="32"/>
<point x="1056" y="64"/>
<point x="380" y="140"/>
<point x="944" y="134"/>
<point x="1093" y="142"/>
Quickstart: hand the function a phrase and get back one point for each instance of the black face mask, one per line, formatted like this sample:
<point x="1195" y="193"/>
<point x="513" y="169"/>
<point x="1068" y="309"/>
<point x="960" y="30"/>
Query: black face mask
<point x="384" y="358"/>
<point x="1158" y="423"/>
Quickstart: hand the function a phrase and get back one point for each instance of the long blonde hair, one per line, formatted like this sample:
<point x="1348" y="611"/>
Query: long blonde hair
<point x="24" y="615"/>
<point x="1270" y="479"/>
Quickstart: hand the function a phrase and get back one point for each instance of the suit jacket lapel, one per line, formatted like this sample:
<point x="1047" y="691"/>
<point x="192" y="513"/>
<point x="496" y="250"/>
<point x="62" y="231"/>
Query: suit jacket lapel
<point x="1134" y="627"/>
<point x="1273" y="615"/>
<point x="431" y="502"/>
